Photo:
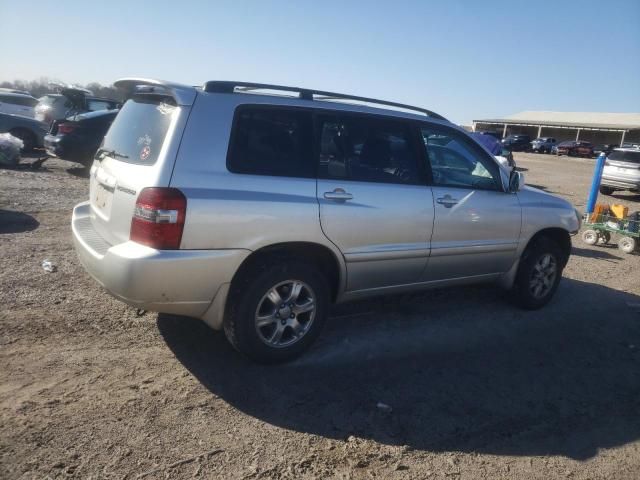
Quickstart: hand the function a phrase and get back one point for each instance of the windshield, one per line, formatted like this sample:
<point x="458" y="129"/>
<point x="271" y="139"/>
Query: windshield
<point x="138" y="132"/>
<point x="625" y="156"/>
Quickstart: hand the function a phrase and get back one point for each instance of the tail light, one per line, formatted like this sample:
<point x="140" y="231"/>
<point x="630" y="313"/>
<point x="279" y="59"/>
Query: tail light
<point x="158" y="218"/>
<point x="66" y="128"/>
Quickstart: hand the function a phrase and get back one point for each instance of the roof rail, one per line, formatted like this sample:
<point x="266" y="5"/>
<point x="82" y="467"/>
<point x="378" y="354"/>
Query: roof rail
<point x="183" y="94"/>
<point x="221" y="86"/>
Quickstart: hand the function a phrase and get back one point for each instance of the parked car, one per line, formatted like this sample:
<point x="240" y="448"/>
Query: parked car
<point x="517" y="143"/>
<point x="29" y="130"/>
<point x="621" y="171"/>
<point x="575" y="149"/>
<point x="606" y="148"/>
<point x="78" y="137"/>
<point x="496" y="135"/>
<point x="495" y="148"/>
<point x="13" y="90"/>
<point x="70" y="101"/>
<point x="543" y="144"/>
<point x="18" y="104"/>
<point x="260" y="210"/>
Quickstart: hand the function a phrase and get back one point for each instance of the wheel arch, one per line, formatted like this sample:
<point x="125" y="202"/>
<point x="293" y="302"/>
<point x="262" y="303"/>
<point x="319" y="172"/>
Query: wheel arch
<point x="29" y="131"/>
<point x="327" y="260"/>
<point x="557" y="234"/>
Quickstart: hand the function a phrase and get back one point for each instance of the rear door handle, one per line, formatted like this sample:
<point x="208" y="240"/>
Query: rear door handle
<point x="338" y="195"/>
<point x="447" y="201"/>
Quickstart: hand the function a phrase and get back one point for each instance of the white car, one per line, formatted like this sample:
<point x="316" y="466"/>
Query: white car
<point x="18" y="104"/>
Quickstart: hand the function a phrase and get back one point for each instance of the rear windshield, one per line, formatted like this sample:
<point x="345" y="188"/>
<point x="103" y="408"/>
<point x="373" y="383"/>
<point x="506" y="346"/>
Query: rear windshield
<point x="138" y="132"/>
<point x="625" y="156"/>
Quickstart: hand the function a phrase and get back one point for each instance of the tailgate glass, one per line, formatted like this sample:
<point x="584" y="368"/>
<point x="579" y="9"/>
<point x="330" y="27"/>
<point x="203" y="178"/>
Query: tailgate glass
<point x="138" y="132"/>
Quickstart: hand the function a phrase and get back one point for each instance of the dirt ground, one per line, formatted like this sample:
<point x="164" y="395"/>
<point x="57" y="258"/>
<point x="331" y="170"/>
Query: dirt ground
<point x="475" y="387"/>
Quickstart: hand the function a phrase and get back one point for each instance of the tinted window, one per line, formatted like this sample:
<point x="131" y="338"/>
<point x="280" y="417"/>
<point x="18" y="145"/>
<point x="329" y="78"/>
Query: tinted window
<point x="456" y="161"/>
<point x="271" y="141"/>
<point x="139" y="130"/>
<point x="23" y="101"/>
<point x="366" y="149"/>
<point x="625" y="156"/>
<point x="94" y="105"/>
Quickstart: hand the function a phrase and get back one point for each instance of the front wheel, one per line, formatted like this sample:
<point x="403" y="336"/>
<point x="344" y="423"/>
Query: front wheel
<point x="539" y="274"/>
<point x="277" y="310"/>
<point x="606" y="190"/>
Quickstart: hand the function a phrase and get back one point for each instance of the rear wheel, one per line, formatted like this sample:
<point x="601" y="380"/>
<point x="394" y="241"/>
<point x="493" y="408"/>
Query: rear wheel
<point x="627" y="244"/>
<point x="28" y="138"/>
<point x="606" y="190"/>
<point x="539" y="273"/>
<point x="277" y="310"/>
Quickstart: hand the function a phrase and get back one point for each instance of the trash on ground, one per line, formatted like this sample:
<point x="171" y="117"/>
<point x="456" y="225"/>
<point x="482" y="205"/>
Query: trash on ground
<point x="10" y="147"/>
<point x="384" y="407"/>
<point x="49" y="266"/>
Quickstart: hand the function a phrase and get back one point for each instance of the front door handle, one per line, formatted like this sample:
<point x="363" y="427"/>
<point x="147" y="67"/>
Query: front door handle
<point x="338" y="195"/>
<point x="447" y="201"/>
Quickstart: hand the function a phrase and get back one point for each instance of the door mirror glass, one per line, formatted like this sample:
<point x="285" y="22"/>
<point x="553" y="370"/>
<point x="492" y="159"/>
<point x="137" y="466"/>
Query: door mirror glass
<point x="516" y="181"/>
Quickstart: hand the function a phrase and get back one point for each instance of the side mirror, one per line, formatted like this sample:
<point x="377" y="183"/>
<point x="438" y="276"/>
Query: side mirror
<point x="516" y="181"/>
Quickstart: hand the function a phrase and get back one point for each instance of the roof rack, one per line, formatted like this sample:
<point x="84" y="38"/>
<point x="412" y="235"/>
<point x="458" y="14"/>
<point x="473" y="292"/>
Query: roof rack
<point x="219" y="86"/>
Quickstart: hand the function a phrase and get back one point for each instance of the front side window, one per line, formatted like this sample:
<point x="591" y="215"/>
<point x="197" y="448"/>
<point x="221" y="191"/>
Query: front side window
<point x="272" y="141"/>
<point x="456" y="161"/>
<point x="366" y="149"/>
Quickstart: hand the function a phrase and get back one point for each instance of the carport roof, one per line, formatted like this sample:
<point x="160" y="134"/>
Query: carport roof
<point x="588" y="120"/>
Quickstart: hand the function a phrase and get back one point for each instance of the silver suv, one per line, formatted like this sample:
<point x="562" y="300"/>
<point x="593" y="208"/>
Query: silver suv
<point x="621" y="171"/>
<point x="254" y="207"/>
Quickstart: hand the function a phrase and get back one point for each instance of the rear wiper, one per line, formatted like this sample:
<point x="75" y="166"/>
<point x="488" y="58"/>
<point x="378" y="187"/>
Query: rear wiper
<point x="100" y="154"/>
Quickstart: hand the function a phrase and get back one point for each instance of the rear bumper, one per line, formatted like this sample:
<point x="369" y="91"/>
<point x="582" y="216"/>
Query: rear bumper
<point x="62" y="148"/>
<point x="182" y="282"/>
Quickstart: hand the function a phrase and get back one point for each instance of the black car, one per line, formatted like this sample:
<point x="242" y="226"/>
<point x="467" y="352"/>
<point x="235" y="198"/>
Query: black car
<point x="606" y="148"/>
<point x="78" y="137"/>
<point x="517" y="143"/>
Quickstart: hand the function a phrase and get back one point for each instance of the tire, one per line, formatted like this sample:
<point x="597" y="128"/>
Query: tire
<point x="605" y="237"/>
<point x="534" y="273"/>
<point x="251" y="297"/>
<point x="590" y="237"/>
<point x="606" y="190"/>
<point x="27" y="136"/>
<point x="627" y="244"/>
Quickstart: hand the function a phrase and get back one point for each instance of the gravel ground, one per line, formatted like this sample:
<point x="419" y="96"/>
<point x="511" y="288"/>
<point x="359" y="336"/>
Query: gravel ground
<point x="472" y="387"/>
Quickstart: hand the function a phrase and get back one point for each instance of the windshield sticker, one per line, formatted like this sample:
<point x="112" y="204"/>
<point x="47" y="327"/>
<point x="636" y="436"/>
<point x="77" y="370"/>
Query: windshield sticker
<point x="144" y="140"/>
<point x="165" y="108"/>
<point x="145" y="152"/>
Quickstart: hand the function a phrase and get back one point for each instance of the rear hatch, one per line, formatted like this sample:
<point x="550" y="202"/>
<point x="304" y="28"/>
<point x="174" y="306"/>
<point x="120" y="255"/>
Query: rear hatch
<point x="138" y="151"/>
<point x="623" y="164"/>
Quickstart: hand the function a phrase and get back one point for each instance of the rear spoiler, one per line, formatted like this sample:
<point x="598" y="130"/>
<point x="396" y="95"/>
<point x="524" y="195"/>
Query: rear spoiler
<point x="182" y="94"/>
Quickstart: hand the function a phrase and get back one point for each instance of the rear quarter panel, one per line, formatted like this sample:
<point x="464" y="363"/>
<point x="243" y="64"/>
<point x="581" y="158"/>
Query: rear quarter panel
<point x="229" y="210"/>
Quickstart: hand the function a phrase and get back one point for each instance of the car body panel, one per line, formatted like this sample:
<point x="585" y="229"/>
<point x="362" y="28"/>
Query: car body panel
<point x="18" y="104"/>
<point x="11" y="122"/>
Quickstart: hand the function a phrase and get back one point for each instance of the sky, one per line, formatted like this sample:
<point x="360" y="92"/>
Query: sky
<point x="463" y="59"/>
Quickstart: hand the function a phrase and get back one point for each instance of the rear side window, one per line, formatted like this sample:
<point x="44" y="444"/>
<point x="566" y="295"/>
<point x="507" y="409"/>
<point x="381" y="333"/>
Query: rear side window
<point x="23" y="101"/>
<point x="366" y="149"/>
<point x="625" y="156"/>
<point x="271" y="141"/>
<point x="94" y="105"/>
<point x="138" y="132"/>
